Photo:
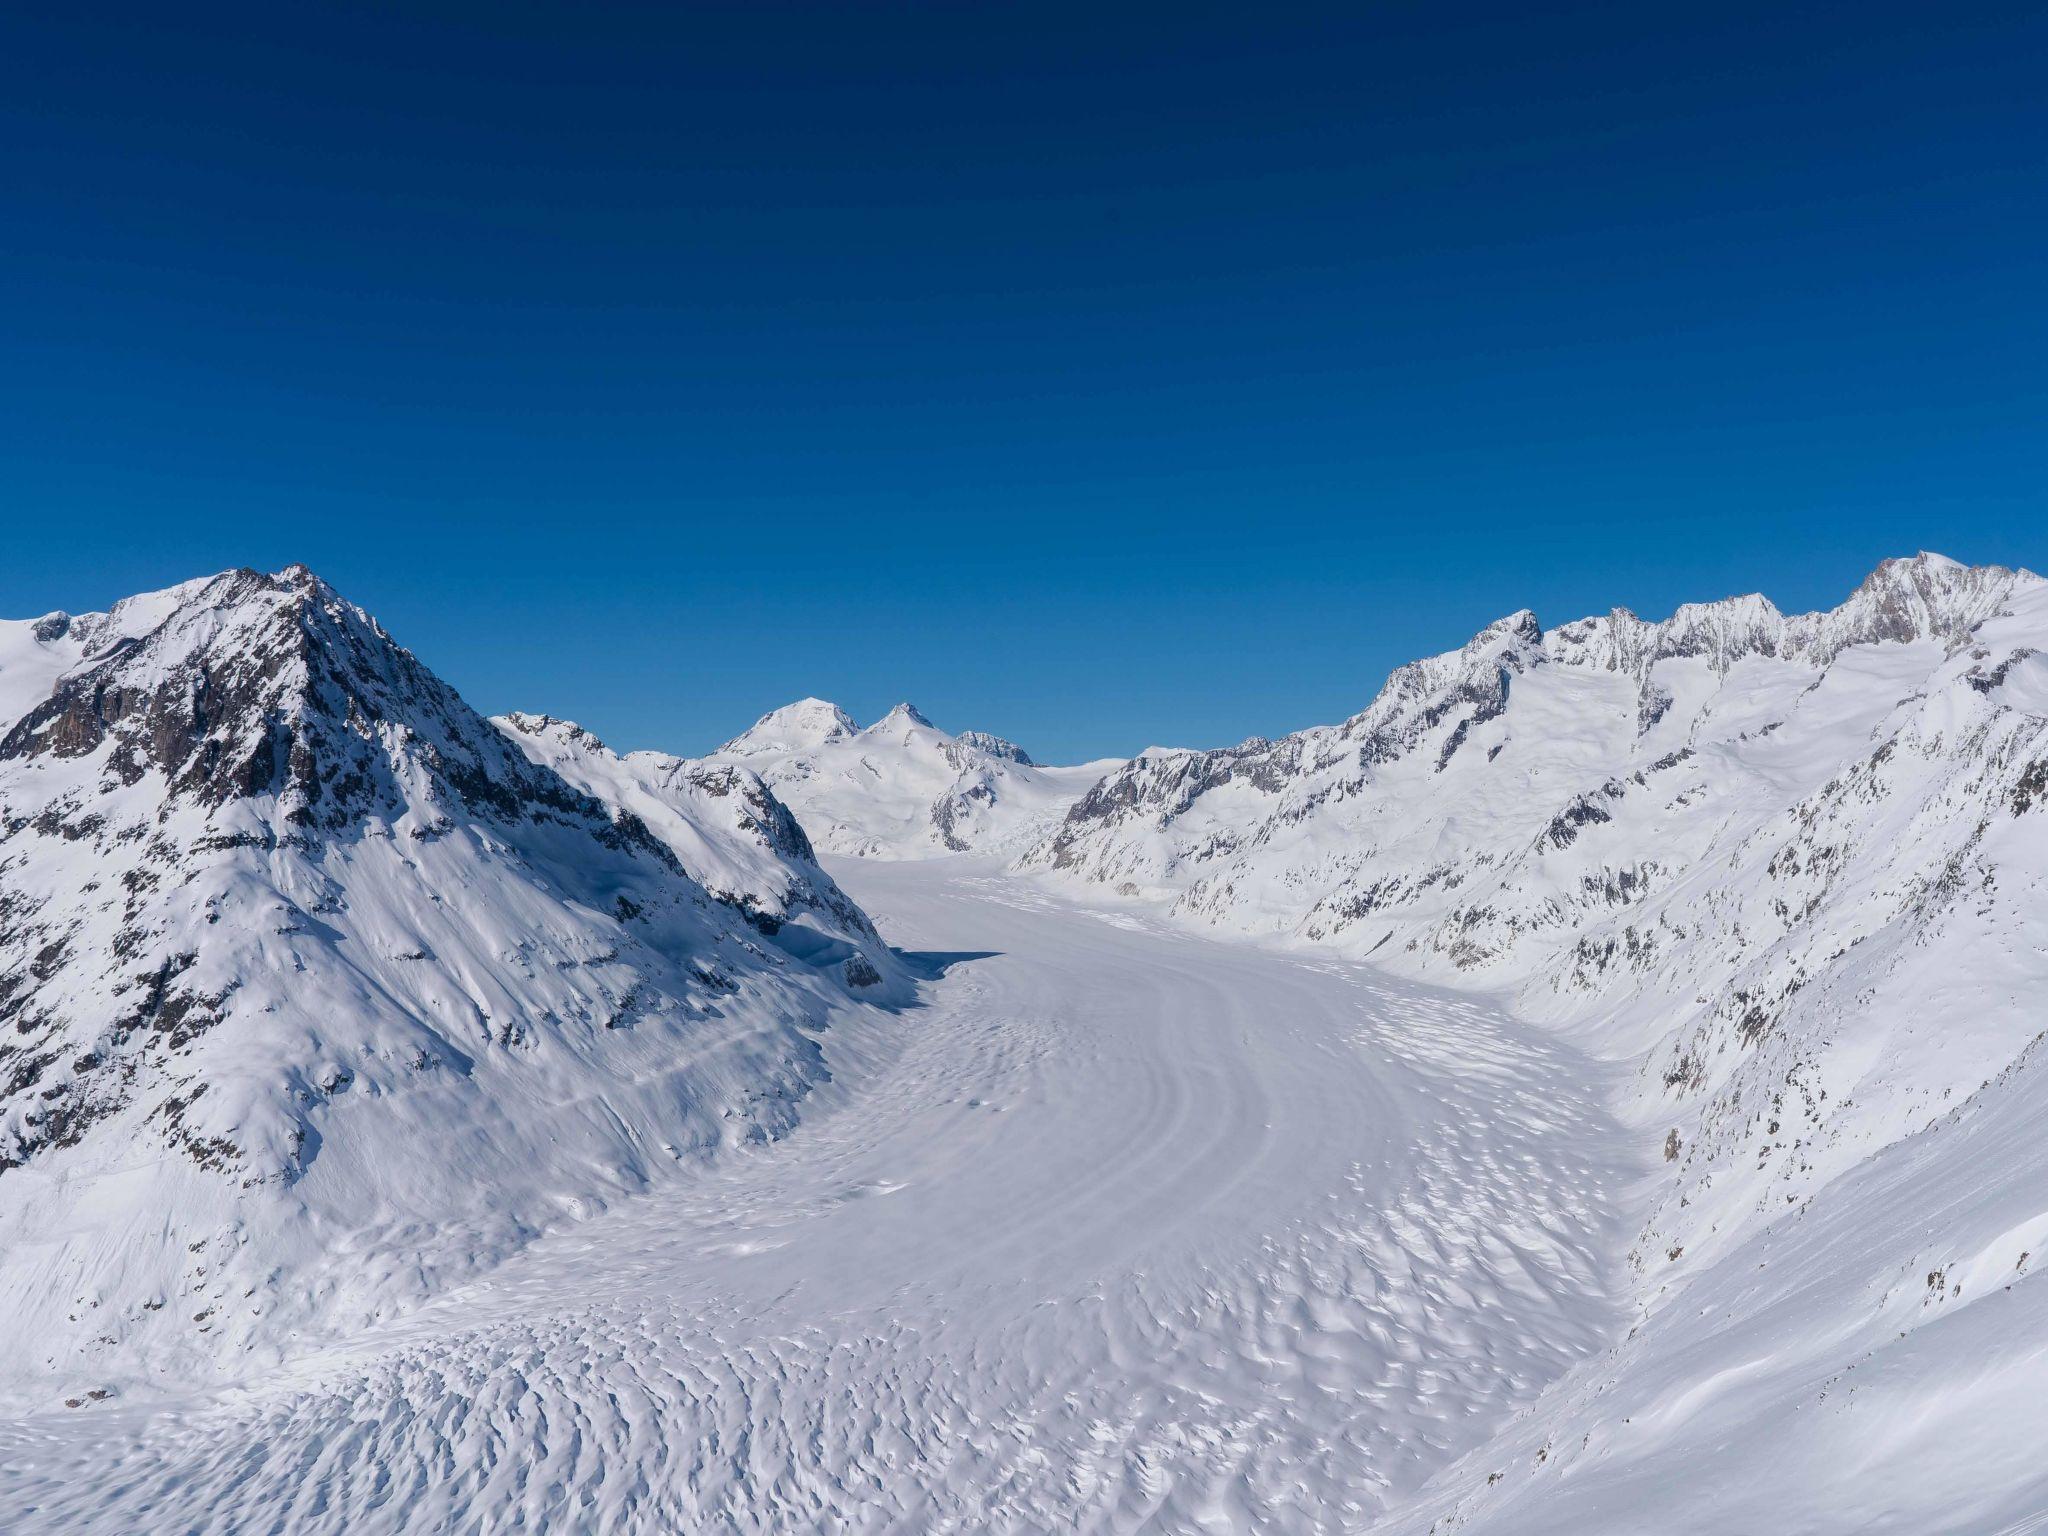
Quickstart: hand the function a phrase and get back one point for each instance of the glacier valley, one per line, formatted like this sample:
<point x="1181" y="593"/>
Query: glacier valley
<point x="1592" y="1089"/>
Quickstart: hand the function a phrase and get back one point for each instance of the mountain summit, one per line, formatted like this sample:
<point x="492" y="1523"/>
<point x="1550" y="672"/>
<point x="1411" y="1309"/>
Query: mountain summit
<point x="903" y="788"/>
<point x="275" y="902"/>
<point x="800" y="727"/>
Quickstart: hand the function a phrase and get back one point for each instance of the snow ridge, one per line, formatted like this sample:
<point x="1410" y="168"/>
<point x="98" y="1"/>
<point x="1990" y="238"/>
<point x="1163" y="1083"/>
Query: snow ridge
<point x="273" y="900"/>
<point x="1634" y="1120"/>
<point x="902" y="788"/>
<point x="1791" y="869"/>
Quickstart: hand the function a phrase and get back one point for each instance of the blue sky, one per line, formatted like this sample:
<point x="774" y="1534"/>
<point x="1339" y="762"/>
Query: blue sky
<point x="1095" y="375"/>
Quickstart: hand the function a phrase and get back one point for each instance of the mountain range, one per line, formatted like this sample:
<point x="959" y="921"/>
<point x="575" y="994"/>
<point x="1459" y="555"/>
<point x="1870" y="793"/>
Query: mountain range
<point x="1787" y="873"/>
<point x="1775" y="860"/>
<point x="903" y="788"/>
<point x="322" y="995"/>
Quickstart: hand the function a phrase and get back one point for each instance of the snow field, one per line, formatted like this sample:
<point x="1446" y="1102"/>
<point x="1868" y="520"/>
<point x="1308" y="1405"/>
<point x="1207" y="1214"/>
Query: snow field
<point x="1122" y="1231"/>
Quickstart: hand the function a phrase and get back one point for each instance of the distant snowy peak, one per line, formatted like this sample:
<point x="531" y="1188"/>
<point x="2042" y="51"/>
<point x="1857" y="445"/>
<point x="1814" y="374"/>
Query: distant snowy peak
<point x="902" y="716"/>
<point x="993" y="746"/>
<point x="809" y="724"/>
<point x="902" y="787"/>
<point x="1924" y="597"/>
<point x="800" y="727"/>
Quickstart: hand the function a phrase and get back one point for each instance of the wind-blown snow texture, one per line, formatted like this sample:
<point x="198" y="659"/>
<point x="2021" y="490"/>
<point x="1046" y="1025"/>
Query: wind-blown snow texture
<point x="1791" y="870"/>
<point x="1629" y="1120"/>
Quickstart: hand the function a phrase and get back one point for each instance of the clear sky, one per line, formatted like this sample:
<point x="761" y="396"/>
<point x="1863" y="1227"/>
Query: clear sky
<point x="1097" y="375"/>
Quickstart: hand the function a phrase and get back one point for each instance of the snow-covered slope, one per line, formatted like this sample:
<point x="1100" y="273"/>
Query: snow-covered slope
<point x="1692" y="1180"/>
<point x="1705" y="839"/>
<point x="1790" y="868"/>
<point x="902" y="788"/>
<point x="316" y="991"/>
<point x="727" y="829"/>
<point x="1127" y="1232"/>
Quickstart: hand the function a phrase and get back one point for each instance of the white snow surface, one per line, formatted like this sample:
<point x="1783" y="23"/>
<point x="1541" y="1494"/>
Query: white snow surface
<point x="1123" y="1230"/>
<point x="902" y="788"/>
<point x="1596" y="1089"/>
<point x="1789" y="872"/>
<point x="315" y="993"/>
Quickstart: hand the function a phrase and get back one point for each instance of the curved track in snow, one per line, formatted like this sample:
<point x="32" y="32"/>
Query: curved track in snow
<point x="1124" y="1230"/>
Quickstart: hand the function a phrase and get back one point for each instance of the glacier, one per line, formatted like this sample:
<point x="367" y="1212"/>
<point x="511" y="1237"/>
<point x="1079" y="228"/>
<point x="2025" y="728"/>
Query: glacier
<point x="1590" y="1089"/>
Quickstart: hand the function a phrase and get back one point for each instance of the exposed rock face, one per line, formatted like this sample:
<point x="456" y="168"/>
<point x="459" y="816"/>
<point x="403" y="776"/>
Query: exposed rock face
<point x="903" y="788"/>
<point x="980" y="742"/>
<point x="1761" y="854"/>
<point x="271" y="686"/>
<point x="274" y="899"/>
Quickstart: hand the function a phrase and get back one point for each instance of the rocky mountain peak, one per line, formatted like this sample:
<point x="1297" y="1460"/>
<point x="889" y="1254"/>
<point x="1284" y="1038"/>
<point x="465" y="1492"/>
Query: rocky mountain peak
<point x="271" y="893"/>
<point x="1922" y="597"/>
<point x="253" y="685"/>
<point x="567" y="731"/>
<point x="993" y="746"/>
<point x="51" y="626"/>
<point x="902" y="715"/>
<point x="1722" y="631"/>
<point x="1518" y="628"/>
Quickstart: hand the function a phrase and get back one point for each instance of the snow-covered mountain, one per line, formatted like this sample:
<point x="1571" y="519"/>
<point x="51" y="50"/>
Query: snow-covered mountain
<point x="902" y="788"/>
<point x="1791" y="868"/>
<point x="1690" y="1179"/>
<point x="1711" y="836"/>
<point x="317" y="989"/>
<point x="728" y="830"/>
